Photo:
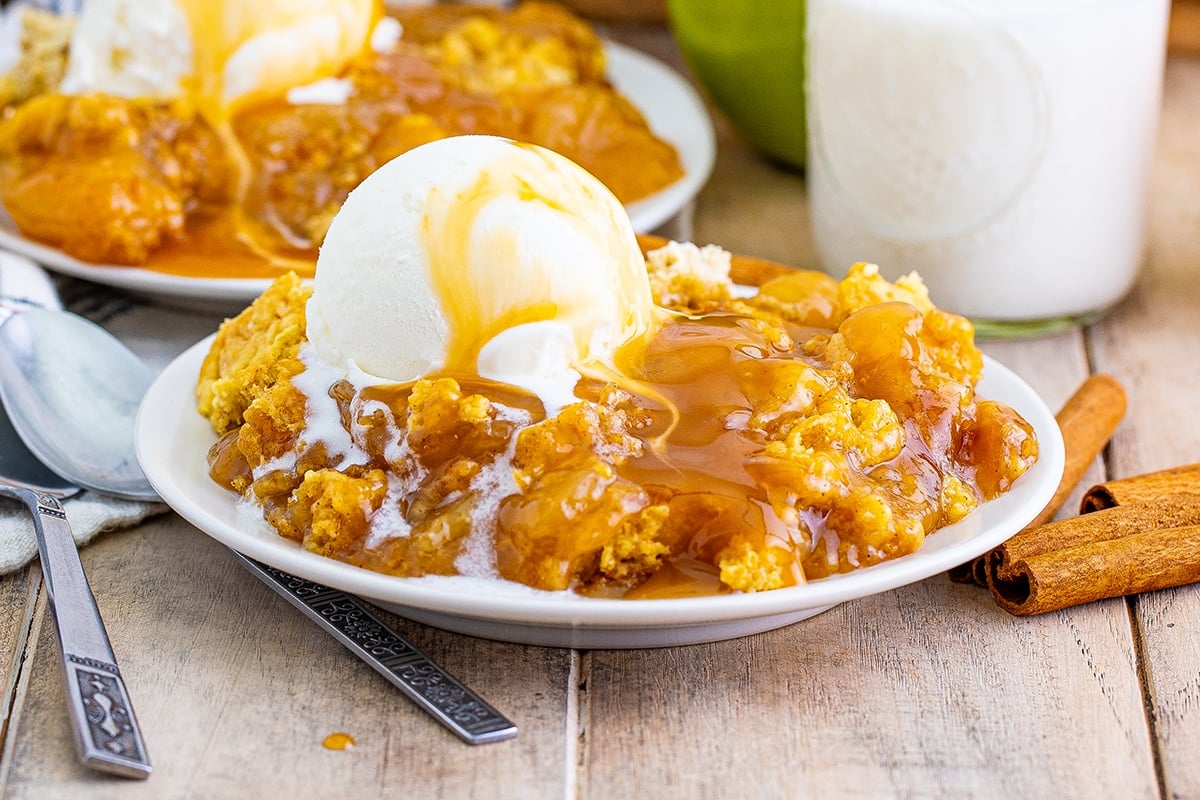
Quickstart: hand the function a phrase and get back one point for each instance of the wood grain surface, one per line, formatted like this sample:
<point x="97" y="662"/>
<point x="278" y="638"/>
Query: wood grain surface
<point x="928" y="691"/>
<point x="1150" y="341"/>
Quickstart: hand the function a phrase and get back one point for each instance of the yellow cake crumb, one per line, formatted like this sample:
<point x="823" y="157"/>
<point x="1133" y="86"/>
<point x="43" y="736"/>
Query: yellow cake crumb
<point x="42" y="63"/>
<point x="251" y="352"/>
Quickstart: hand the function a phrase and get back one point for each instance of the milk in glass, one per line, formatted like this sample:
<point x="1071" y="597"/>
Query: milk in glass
<point x="1002" y="148"/>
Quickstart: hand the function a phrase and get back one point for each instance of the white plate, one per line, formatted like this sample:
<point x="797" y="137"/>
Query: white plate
<point x="173" y="439"/>
<point x="671" y="106"/>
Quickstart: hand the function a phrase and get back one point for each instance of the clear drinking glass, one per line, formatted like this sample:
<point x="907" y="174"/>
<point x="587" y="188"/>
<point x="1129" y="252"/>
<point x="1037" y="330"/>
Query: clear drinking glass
<point x="1001" y="148"/>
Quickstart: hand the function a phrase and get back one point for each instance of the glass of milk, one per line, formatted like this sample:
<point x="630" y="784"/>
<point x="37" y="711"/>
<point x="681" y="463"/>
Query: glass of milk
<point x="1001" y="148"/>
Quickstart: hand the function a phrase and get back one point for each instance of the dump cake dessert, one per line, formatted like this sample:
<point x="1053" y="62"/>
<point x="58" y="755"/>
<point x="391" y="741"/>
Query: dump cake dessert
<point x="489" y="377"/>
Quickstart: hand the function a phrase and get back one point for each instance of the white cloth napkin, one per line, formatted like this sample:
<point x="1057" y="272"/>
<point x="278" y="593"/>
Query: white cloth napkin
<point x="88" y="513"/>
<point x="156" y="334"/>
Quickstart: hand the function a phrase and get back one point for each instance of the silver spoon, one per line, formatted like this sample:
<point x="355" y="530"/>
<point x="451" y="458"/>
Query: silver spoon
<point x="107" y="735"/>
<point x="81" y="425"/>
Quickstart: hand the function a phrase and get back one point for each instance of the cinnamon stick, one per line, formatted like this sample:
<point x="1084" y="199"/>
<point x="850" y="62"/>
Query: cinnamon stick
<point x="1149" y="561"/>
<point x="1117" y="551"/>
<point x="1133" y="535"/>
<point x="1142" y="488"/>
<point x="1087" y="421"/>
<point x="965" y="572"/>
<point x="1172" y="511"/>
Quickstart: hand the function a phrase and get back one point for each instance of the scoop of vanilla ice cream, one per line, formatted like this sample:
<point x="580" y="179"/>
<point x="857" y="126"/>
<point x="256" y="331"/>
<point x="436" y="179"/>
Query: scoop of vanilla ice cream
<point x="221" y="51"/>
<point x="129" y="48"/>
<point x="480" y="255"/>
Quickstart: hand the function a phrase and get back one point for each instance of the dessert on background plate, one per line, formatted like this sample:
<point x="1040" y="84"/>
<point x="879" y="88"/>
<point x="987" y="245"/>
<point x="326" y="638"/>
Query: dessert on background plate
<point x="223" y="150"/>
<point x="488" y="378"/>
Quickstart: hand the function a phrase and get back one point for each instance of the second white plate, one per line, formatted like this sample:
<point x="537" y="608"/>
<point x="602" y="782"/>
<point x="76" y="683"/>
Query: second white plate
<point x="669" y="103"/>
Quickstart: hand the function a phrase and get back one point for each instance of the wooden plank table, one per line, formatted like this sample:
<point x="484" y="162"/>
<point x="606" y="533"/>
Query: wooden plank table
<point x="926" y="691"/>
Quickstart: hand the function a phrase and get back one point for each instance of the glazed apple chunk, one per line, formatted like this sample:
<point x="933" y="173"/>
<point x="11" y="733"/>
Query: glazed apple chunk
<point x="750" y="444"/>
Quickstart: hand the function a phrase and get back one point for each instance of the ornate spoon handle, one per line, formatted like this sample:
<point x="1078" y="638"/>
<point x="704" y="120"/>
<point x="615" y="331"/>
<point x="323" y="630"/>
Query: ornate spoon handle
<point x="106" y="730"/>
<point x="424" y="682"/>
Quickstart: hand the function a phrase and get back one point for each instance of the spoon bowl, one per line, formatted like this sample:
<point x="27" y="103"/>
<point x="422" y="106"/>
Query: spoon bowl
<point x="72" y="391"/>
<point x="21" y="469"/>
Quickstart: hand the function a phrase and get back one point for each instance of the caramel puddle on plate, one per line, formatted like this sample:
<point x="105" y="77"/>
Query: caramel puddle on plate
<point x="339" y="741"/>
<point x="216" y="246"/>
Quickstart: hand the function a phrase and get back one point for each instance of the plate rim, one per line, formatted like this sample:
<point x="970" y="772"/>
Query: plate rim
<point x="167" y="419"/>
<point x="630" y="70"/>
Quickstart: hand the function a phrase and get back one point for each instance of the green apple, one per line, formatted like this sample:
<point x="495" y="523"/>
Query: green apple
<point x="749" y="56"/>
